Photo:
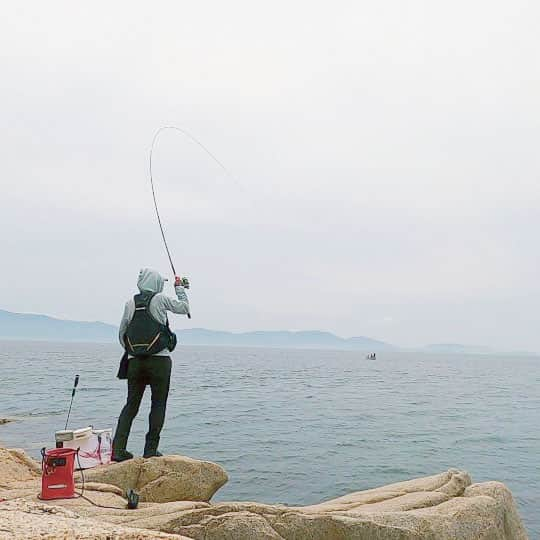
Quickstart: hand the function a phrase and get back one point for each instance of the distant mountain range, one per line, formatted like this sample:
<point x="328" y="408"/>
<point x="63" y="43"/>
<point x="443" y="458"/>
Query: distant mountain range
<point x="41" y="327"/>
<point x="283" y="339"/>
<point x="24" y="326"/>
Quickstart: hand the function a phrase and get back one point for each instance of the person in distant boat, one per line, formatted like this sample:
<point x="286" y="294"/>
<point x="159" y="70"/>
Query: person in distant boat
<point x="147" y="340"/>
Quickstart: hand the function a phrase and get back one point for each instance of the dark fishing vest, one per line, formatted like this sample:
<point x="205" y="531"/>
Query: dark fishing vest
<point x="145" y="335"/>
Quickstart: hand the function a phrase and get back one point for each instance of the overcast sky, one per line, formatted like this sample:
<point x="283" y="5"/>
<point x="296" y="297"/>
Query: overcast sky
<point x="385" y="159"/>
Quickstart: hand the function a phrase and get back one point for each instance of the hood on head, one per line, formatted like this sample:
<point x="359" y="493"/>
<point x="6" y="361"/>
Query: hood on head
<point x="150" y="281"/>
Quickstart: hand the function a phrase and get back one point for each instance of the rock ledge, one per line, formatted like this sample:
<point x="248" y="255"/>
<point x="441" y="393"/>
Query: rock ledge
<point x="176" y="491"/>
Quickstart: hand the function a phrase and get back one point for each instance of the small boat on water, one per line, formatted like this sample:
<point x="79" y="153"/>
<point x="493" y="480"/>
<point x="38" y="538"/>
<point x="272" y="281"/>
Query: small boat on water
<point x="371" y="356"/>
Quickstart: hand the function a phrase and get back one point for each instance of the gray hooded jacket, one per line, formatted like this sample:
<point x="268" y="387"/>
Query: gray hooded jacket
<point x="151" y="281"/>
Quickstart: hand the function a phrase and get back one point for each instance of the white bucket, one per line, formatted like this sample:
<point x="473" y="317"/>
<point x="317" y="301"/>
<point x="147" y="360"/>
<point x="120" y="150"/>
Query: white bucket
<point x="95" y="445"/>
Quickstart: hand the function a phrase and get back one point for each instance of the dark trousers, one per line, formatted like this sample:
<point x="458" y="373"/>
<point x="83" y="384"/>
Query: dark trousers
<point x="142" y="371"/>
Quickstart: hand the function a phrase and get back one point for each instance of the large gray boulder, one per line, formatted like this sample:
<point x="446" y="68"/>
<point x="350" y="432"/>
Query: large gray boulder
<point x="445" y="506"/>
<point x="441" y="507"/>
<point x="24" y="520"/>
<point x="163" y="479"/>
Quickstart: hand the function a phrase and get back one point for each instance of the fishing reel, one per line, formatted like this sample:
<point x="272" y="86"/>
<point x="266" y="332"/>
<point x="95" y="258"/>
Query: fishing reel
<point x="184" y="282"/>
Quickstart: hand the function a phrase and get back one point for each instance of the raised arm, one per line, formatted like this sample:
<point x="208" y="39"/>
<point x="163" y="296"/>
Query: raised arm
<point x="181" y="305"/>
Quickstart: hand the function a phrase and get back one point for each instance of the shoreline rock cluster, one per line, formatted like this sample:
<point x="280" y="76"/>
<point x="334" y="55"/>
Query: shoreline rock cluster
<point x="175" y="504"/>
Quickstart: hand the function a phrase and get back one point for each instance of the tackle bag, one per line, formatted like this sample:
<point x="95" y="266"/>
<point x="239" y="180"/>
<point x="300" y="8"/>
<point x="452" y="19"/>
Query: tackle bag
<point x="123" y="368"/>
<point x="145" y="335"/>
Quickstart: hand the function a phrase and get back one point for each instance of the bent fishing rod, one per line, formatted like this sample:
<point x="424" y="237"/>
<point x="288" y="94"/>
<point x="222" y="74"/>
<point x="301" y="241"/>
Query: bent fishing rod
<point x="201" y="145"/>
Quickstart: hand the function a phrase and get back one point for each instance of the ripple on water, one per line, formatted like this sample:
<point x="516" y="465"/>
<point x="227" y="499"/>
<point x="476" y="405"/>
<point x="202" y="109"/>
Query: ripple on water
<point x="298" y="427"/>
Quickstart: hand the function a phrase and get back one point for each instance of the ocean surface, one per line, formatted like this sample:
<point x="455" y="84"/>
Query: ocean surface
<point x="299" y="426"/>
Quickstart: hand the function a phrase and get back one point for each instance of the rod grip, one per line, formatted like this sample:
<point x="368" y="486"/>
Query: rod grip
<point x="75" y="384"/>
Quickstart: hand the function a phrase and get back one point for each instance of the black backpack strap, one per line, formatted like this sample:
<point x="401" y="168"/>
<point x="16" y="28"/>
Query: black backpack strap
<point x="142" y="303"/>
<point x="142" y="300"/>
<point x="145" y="334"/>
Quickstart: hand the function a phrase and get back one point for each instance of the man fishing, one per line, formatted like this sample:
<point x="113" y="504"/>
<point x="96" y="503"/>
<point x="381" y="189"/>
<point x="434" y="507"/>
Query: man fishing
<point x="147" y="340"/>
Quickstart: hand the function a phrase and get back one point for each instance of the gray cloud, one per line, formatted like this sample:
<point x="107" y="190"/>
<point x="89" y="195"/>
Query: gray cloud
<point x="386" y="154"/>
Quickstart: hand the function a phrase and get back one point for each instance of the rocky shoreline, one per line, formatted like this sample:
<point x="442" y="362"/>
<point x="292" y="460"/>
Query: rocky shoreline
<point x="175" y="503"/>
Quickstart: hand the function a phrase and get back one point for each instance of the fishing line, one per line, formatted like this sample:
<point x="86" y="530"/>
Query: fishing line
<point x="200" y="144"/>
<point x="81" y="495"/>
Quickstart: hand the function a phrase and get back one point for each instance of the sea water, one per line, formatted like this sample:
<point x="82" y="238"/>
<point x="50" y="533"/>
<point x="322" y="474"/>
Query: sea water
<point x="300" y="426"/>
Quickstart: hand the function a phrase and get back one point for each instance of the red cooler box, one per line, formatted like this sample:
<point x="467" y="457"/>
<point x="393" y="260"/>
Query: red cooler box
<point x="57" y="480"/>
